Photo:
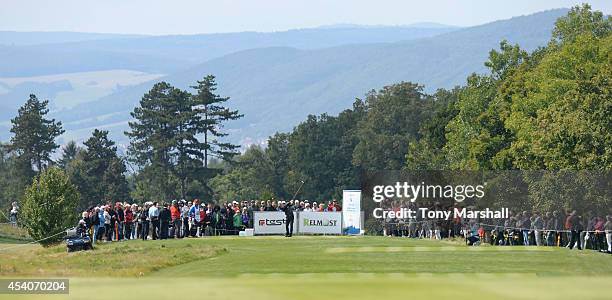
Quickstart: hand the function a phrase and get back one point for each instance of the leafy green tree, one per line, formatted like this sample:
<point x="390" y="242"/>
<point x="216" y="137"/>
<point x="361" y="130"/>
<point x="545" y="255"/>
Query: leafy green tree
<point x="49" y="206"/>
<point x="393" y="118"/>
<point x="34" y="135"/>
<point x="562" y="114"/>
<point x="476" y="135"/>
<point x="580" y="20"/>
<point x="427" y="153"/>
<point x="277" y="153"/>
<point x="320" y="153"/>
<point x="249" y="177"/>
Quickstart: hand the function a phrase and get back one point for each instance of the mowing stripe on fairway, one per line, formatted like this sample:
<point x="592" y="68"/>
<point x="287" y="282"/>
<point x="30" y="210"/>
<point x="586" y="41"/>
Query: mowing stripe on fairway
<point x="434" y="249"/>
<point x="366" y="275"/>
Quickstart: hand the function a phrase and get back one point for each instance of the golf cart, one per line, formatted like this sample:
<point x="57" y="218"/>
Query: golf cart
<point x="78" y="239"/>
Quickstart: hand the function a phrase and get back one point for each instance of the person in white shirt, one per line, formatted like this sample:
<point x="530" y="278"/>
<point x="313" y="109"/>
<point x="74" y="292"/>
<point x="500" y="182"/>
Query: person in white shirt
<point x="107" y="224"/>
<point x="185" y="218"/>
<point x="154" y="216"/>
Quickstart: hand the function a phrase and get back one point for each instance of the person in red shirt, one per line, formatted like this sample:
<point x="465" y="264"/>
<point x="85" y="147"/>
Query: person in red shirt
<point x="129" y="222"/>
<point x="336" y="205"/>
<point x="568" y="227"/>
<point x="175" y="219"/>
<point x="202" y="223"/>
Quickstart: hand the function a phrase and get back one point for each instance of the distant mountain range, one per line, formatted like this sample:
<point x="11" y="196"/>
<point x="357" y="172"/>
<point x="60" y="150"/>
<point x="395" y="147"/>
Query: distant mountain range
<point x="28" y="38"/>
<point x="64" y="52"/>
<point x="277" y="79"/>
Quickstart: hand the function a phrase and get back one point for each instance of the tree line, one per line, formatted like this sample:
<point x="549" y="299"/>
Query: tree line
<point x="174" y="136"/>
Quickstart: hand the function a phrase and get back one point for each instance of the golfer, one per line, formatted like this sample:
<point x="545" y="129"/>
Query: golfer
<point x="288" y="209"/>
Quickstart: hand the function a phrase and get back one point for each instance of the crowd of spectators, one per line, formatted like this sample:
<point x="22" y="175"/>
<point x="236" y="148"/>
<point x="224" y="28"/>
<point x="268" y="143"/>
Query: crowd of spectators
<point x="558" y="228"/>
<point x="178" y="219"/>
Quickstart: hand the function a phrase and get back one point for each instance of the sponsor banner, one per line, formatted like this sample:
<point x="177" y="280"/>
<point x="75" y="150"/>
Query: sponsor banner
<point x="271" y="222"/>
<point x="320" y="222"/>
<point x="351" y="211"/>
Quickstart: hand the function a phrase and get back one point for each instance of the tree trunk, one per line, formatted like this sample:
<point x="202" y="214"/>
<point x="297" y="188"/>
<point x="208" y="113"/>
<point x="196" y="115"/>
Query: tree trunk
<point x="206" y="138"/>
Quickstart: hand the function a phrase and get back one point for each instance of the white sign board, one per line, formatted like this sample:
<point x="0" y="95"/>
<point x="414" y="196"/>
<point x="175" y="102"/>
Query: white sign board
<point x="351" y="211"/>
<point x="320" y="222"/>
<point x="271" y="222"/>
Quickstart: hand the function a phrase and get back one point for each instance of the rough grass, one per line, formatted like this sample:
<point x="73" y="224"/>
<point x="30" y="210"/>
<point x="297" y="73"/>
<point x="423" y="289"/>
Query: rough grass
<point x="133" y="258"/>
<point x="13" y="234"/>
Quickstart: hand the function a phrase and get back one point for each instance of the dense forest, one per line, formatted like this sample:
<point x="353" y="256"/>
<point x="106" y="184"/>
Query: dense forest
<point x="549" y="109"/>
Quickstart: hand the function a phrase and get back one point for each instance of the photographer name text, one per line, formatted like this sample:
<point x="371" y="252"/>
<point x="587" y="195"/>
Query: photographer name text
<point x="426" y="213"/>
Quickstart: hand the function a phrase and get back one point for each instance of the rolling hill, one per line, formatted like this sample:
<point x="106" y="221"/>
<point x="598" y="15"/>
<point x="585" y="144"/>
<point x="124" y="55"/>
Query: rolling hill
<point x="65" y="53"/>
<point x="277" y="87"/>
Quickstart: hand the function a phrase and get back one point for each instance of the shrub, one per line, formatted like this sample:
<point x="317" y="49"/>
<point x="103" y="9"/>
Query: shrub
<point x="49" y="206"/>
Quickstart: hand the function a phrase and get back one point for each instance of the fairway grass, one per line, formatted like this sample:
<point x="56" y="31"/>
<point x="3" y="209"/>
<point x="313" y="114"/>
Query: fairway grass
<point x="294" y="287"/>
<point x="313" y="268"/>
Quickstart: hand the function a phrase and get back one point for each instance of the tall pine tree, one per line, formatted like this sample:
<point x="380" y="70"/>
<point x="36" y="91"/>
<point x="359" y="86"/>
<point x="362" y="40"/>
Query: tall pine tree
<point x="152" y="140"/>
<point x="34" y="136"/>
<point x="105" y="170"/>
<point x="69" y="153"/>
<point x="211" y="117"/>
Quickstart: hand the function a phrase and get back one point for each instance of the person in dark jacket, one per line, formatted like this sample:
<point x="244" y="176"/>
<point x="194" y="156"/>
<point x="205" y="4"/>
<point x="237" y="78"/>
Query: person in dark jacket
<point x="145" y="221"/>
<point x="120" y="221"/>
<point x="287" y="208"/>
<point x="576" y="228"/>
<point x="164" y="218"/>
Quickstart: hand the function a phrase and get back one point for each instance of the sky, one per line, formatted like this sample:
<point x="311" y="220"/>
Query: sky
<point x="205" y="16"/>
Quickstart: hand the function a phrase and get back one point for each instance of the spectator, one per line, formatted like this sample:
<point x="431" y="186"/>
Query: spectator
<point x="97" y="223"/>
<point x="538" y="225"/>
<point x="129" y="222"/>
<point x="245" y="218"/>
<point x="202" y="219"/>
<point x="107" y="224"/>
<point x="184" y="207"/>
<point x="164" y="219"/>
<point x="599" y="239"/>
<point x="13" y="213"/>
<point x="237" y="222"/>
<point x="146" y="221"/>
<point x="120" y="221"/>
<point x="525" y="228"/>
<point x="175" y="215"/>
<point x="608" y="229"/>
<point x="194" y="218"/>
<point x="154" y="217"/>
<point x="575" y="227"/>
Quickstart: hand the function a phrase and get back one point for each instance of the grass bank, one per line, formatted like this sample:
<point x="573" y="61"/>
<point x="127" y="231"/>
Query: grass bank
<point x="130" y="258"/>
